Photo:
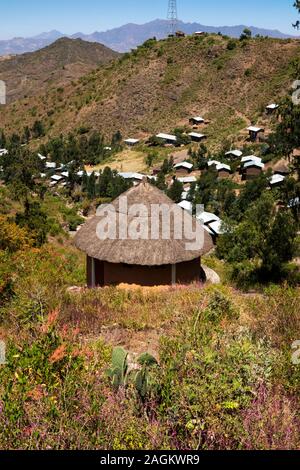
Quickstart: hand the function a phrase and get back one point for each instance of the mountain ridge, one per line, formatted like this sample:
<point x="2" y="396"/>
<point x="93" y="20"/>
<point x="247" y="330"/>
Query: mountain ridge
<point x="55" y="65"/>
<point x="128" y="36"/>
<point x="157" y="87"/>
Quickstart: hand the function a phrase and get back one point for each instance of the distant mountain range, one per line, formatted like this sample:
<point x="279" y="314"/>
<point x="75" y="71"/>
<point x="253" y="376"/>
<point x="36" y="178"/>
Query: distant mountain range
<point x="127" y="37"/>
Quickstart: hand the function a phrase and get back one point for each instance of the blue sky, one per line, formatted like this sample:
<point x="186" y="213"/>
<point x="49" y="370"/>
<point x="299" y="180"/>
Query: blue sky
<point x="30" y="17"/>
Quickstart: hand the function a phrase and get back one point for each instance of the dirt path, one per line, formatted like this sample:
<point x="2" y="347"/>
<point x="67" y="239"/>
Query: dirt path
<point x="137" y="342"/>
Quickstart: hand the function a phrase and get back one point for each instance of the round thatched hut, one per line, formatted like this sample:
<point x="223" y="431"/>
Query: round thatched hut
<point x="142" y="249"/>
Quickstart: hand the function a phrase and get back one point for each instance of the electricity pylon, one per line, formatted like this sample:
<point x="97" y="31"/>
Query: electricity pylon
<point x="172" y="17"/>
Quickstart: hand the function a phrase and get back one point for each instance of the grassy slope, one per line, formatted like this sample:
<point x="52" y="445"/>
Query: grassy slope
<point x="225" y="362"/>
<point x="127" y="160"/>
<point x="160" y="87"/>
<point x="53" y="66"/>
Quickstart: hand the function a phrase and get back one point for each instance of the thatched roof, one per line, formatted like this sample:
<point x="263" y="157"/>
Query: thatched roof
<point x="281" y="168"/>
<point x="151" y="252"/>
<point x="296" y="153"/>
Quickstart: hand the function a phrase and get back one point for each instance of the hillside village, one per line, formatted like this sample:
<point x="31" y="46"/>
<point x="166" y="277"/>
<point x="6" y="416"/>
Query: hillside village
<point x="234" y="165"/>
<point x="192" y="164"/>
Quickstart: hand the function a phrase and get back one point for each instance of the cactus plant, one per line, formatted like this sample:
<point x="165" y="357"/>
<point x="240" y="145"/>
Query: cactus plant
<point x="142" y="378"/>
<point x="147" y="360"/>
<point x="118" y="371"/>
<point x="119" y="359"/>
<point x="121" y="376"/>
<point x="141" y="382"/>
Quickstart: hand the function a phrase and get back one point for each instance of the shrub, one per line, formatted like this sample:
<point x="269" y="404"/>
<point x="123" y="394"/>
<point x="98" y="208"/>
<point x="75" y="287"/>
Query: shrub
<point x="12" y="237"/>
<point x="272" y="421"/>
<point x="247" y="34"/>
<point x="231" y="45"/>
<point x="206" y="378"/>
<point x="35" y="220"/>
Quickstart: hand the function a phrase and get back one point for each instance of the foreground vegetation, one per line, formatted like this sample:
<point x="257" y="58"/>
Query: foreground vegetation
<point x="221" y="370"/>
<point x="224" y="377"/>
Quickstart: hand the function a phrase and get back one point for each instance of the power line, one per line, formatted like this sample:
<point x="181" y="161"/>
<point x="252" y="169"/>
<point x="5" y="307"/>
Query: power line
<point x="172" y="17"/>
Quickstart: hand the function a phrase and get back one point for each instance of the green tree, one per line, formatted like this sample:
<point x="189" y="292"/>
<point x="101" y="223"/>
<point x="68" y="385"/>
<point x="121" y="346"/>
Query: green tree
<point x="116" y="141"/>
<point x="38" y="129"/>
<point x="265" y="238"/>
<point x="231" y="45"/>
<point x="160" y="182"/>
<point x="280" y="244"/>
<point x="167" y="166"/>
<point x="91" y="186"/>
<point x="182" y="137"/>
<point x="225" y="198"/>
<point x="205" y="192"/>
<point x="287" y="135"/>
<point x="247" y="34"/>
<point x="175" y="191"/>
<point x="26" y="134"/>
<point x="3" y="140"/>
<point x="251" y="192"/>
<point x="150" y="159"/>
<point x="73" y="178"/>
<point x="20" y="167"/>
<point x="35" y="220"/>
<point x="199" y="157"/>
<point x="297" y="5"/>
<point x="289" y="193"/>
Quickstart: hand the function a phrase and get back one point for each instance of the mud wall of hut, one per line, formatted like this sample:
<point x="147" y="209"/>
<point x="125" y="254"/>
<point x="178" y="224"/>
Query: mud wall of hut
<point x="102" y="273"/>
<point x="251" y="173"/>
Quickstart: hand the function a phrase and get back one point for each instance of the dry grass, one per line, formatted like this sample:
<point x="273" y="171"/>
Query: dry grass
<point x="158" y="89"/>
<point x="126" y="161"/>
<point x="53" y="66"/>
<point x="135" y="318"/>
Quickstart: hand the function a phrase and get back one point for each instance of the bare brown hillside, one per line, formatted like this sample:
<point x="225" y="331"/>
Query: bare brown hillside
<point x="56" y="65"/>
<point x="157" y="87"/>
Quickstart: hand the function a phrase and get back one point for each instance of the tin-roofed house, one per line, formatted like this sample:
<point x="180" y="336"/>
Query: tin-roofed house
<point x="186" y="205"/>
<point x="234" y="154"/>
<point x="187" y="180"/>
<point x="211" y="223"/>
<point x="271" y="108"/>
<point x="131" y="142"/>
<point x="167" y="138"/>
<point x="183" y="168"/>
<point x="132" y="176"/>
<point x="252" y="168"/>
<point x="276" y="180"/>
<point x="254" y="132"/>
<point x="224" y="171"/>
<point x="196" y="137"/>
<point x="196" y="121"/>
